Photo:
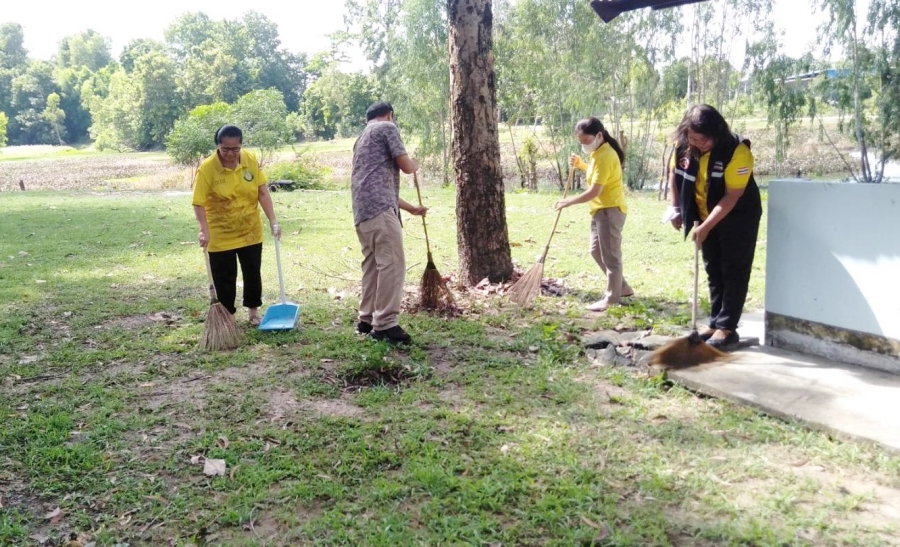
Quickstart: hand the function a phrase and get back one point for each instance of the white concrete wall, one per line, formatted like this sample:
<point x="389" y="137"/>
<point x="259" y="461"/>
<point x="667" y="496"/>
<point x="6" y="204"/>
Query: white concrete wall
<point x="834" y="254"/>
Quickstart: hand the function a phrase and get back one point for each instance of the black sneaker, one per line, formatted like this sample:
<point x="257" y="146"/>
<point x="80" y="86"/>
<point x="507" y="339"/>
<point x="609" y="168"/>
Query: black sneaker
<point x="363" y="328"/>
<point x="726" y="343"/>
<point x="393" y="335"/>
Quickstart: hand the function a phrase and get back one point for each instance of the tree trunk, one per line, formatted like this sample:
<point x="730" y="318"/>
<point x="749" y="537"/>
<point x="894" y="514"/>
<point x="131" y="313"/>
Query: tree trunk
<point x="480" y="202"/>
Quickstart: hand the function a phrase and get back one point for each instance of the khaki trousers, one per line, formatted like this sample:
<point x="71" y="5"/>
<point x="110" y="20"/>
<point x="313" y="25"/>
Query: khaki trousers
<point x="384" y="269"/>
<point x="606" y="248"/>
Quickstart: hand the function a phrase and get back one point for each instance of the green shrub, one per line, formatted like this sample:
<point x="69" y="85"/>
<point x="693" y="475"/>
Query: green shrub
<point x="304" y="171"/>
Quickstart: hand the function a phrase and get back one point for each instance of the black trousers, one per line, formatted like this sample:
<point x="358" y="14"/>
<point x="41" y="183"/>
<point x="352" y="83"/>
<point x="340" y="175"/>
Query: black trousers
<point x="224" y="272"/>
<point x="728" y="257"/>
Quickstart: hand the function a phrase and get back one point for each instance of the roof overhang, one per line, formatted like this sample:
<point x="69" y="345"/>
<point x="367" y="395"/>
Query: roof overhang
<point x="610" y="9"/>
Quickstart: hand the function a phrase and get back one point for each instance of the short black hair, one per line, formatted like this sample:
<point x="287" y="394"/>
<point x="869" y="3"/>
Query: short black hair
<point x="378" y="110"/>
<point x="228" y="131"/>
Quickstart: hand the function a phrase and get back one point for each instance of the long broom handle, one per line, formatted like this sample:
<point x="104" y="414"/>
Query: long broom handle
<point x="424" y="226"/>
<point x="558" y="213"/>
<point x="280" y="277"/>
<point x="213" y="297"/>
<point x="696" y="281"/>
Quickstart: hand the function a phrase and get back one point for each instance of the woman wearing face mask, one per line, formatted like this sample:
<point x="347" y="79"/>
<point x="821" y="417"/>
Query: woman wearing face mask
<point x="712" y="183"/>
<point x="606" y="198"/>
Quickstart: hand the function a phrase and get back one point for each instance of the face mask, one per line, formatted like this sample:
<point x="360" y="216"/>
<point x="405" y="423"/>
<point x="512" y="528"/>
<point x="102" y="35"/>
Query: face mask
<point x="589" y="148"/>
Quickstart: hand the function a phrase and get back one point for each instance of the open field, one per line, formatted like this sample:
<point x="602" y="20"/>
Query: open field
<point x="493" y="428"/>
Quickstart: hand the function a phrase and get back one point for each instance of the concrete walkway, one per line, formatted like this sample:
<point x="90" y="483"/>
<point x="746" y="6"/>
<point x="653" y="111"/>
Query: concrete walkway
<point x="845" y="400"/>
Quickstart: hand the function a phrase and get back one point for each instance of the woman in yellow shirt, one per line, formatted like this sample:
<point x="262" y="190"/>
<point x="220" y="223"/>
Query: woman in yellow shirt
<point x="712" y="183"/>
<point x="228" y="191"/>
<point x="606" y="198"/>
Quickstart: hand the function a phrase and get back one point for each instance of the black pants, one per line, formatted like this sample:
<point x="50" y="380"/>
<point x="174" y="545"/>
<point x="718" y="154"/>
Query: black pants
<point x="728" y="256"/>
<point x="224" y="272"/>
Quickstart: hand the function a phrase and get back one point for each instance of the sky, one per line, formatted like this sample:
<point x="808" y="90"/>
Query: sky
<point x="304" y="25"/>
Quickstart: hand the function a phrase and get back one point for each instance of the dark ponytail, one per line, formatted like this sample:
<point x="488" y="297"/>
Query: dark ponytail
<point x="593" y="126"/>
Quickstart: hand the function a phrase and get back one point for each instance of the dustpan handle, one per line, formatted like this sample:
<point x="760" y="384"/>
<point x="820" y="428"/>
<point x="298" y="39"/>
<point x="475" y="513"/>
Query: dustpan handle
<point x="280" y="277"/>
<point x="696" y="281"/>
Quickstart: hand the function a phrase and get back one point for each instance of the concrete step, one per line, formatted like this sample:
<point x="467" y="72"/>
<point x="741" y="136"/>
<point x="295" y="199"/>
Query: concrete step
<point x="848" y="401"/>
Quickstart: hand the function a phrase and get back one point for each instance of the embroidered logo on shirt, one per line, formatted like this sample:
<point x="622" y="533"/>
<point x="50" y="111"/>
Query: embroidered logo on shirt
<point x="743" y="171"/>
<point x="248" y="176"/>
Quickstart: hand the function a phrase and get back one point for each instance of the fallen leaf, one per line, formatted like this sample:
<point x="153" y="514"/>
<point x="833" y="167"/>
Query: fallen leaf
<point x="195" y="460"/>
<point x="23" y="253"/>
<point x="54" y="516"/>
<point x="233" y="471"/>
<point x="39" y="538"/>
<point x="223" y="440"/>
<point x="212" y="468"/>
<point x="504" y="449"/>
<point x="801" y="463"/>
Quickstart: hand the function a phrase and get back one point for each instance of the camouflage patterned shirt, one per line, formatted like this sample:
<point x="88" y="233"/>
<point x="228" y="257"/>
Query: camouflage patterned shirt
<point x="375" y="175"/>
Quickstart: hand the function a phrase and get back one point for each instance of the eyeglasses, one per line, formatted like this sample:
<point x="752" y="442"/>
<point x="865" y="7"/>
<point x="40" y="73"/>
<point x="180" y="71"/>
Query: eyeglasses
<point x="227" y="149"/>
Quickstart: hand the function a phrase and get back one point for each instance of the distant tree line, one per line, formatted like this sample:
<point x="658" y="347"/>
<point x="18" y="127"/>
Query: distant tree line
<point x="556" y="62"/>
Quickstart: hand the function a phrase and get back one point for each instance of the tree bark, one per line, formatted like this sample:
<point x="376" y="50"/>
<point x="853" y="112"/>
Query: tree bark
<point x="480" y="201"/>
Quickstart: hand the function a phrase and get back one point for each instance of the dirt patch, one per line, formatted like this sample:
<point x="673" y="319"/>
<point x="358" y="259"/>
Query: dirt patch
<point x="335" y="408"/>
<point x="106" y="172"/>
<point x="282" y="404"/>
<point x="881" y="506"/>
<point x="191" y="391"/>
<point x="454" y="395"/>
<point x="123" y="366"/>
<point x="134" y="322"/>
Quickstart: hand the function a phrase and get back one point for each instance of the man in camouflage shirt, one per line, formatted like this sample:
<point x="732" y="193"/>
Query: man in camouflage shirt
<point x="378" y="158"/>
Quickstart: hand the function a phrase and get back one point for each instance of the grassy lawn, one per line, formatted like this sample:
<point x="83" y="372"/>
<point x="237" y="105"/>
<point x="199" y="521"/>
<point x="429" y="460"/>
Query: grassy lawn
<point x="493" y="428"/>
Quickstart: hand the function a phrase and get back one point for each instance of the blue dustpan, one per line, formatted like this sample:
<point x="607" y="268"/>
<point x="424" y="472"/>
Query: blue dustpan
<point x="280" y="316"/>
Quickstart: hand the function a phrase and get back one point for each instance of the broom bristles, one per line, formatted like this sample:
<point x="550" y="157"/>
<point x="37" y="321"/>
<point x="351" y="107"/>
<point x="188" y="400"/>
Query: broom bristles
<point x="686" y="352"/>
<point x="435" y="295"/>
<point x="220" y="332"/>
<point x="526" y="289"/>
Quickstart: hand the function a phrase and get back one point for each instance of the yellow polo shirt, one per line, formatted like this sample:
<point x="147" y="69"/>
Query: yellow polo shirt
<point x="604" y="168"/>
<point x="737" y="175"/>
<point x="231" y="200"/>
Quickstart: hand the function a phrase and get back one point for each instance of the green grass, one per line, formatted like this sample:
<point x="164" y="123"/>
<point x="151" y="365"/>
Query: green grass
<point x="492" y="428"/>
<point x="48" y="152"/>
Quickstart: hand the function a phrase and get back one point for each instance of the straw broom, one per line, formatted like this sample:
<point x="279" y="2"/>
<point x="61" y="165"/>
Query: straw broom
<point x="691" y="350"/>
<point x="220" y="331"/>
<point x="528" y="286"/>
<point x="434" y="293"/>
